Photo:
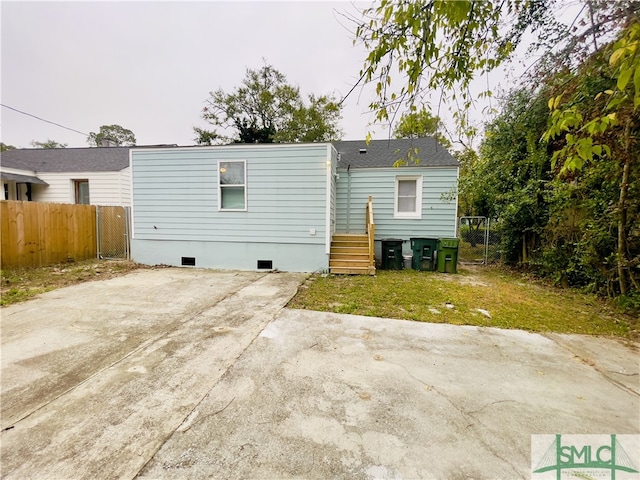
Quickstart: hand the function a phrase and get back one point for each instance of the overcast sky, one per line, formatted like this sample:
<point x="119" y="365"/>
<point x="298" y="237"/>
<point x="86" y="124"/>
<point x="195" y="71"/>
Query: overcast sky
<point x="149" y="66"/>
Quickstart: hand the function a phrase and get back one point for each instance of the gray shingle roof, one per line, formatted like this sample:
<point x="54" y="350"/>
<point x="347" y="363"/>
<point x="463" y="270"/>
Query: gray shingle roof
<point x="384" y="153"/>
<point x="379" y="153"/>
<point x="93" y="159"/>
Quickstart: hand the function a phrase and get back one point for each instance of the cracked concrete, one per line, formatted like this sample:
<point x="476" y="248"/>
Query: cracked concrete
<point x="355" y="397"/>
<point x="153" y="344"/>
<point x="614" y="364"/>
<point x="180" y="373"/>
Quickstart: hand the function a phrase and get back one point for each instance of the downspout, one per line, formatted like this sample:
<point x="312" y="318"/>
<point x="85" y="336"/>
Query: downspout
<point x="349" y="198"/>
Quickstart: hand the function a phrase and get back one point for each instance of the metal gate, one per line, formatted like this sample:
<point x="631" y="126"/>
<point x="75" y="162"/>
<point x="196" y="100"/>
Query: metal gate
<point x="479" y="240"/>
<point x="113" y="231"/>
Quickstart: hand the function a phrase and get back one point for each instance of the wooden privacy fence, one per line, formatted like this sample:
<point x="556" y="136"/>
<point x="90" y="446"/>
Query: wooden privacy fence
<point x="36" y="234"/>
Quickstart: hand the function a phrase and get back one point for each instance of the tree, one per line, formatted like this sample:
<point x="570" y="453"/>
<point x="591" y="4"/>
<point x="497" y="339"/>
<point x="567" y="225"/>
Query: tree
<point x="562" y="185"/>
<point x="205" y="137"/>
<point x="4" y="147"/>
<point x="48" y="144"/>
<point x="442" y="46"/>
<point x="420" y="124"/>
<point x="266" y="109"/>
<point x="111" y="135"/>
<point x="509" y="178"/>
<point x="595" y="116"/>
<point x="466" y="191"/>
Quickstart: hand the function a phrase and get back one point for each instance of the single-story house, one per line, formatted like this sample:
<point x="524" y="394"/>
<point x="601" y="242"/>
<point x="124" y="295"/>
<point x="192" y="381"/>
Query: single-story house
<point x="96" y="175"/>
<point x="289" y="207"/>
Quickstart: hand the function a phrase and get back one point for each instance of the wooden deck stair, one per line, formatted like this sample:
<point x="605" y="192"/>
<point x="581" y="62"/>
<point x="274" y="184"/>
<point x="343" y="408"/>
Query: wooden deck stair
<point x="350" y="254"/>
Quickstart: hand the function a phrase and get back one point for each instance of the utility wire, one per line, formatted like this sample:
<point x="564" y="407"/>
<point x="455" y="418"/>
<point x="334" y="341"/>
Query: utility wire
<point x="42" y="119"/>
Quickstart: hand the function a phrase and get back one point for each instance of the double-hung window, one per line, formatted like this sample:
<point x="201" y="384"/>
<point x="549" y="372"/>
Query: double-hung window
<point x="408" y="197"/>
<point x="232" y="185"/>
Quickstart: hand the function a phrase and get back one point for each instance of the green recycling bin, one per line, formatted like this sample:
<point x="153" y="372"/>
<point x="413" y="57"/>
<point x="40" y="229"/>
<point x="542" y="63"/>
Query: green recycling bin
<point x="448" y="255"/>
<point x="392" y="254"/>
<point x="424" y="253"/>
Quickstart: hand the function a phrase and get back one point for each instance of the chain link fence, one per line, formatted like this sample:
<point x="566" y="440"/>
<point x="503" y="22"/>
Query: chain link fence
<point x="113" y="232"/>
<point x="479" y="240"/>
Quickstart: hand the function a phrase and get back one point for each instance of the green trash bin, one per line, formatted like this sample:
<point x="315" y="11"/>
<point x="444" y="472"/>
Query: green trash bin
<point x="448" y="255"/>
<point x="424" y="253"/>
<point x="392" y="254"/>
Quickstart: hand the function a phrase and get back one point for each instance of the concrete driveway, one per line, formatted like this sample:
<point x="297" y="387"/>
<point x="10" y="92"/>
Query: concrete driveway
<point x="181" y="373"/>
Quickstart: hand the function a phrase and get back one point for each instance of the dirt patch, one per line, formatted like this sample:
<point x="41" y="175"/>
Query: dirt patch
<point x="469" y="275"/>
<point x="20" y="284"/>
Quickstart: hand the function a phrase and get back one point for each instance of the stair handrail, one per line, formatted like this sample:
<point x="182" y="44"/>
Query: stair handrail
<point x="371" y="230"/>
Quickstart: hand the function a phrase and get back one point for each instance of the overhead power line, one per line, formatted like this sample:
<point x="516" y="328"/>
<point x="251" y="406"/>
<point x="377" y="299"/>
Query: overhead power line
<point x="44" y="120"/>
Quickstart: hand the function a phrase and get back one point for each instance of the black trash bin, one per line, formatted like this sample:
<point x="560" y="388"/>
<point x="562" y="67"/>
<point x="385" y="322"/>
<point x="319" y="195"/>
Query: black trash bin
<point x="392" y="254"/>
<point x="424" y="253"/>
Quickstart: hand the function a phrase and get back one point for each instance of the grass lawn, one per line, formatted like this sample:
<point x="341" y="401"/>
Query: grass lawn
<point x="482" y="296"/>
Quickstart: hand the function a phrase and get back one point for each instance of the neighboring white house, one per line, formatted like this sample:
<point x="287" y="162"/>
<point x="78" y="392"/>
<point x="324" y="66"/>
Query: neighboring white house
<point x="278" y="206"/>
<point x="96" y="175"/>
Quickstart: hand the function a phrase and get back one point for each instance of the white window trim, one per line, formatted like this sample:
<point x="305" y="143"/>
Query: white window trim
<point x="220" y="187"/>
<point x="418" y="213"/>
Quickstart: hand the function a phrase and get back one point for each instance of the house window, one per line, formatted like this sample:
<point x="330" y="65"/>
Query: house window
<point x="81" y="191"/>
<point x="6" y="191"/>
<point x="408" y="197"/>
<point x="232" y="181"/>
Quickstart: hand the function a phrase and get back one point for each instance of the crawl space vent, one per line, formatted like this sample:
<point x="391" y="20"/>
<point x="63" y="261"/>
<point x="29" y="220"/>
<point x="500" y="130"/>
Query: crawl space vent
<point x="265" y="264"/>
<point x="189" y="261"/>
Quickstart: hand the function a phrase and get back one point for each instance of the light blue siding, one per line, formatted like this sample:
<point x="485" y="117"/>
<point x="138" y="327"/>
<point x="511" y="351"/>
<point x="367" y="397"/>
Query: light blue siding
<point x="438" y="214"/>
<point x="175" y="207"/>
